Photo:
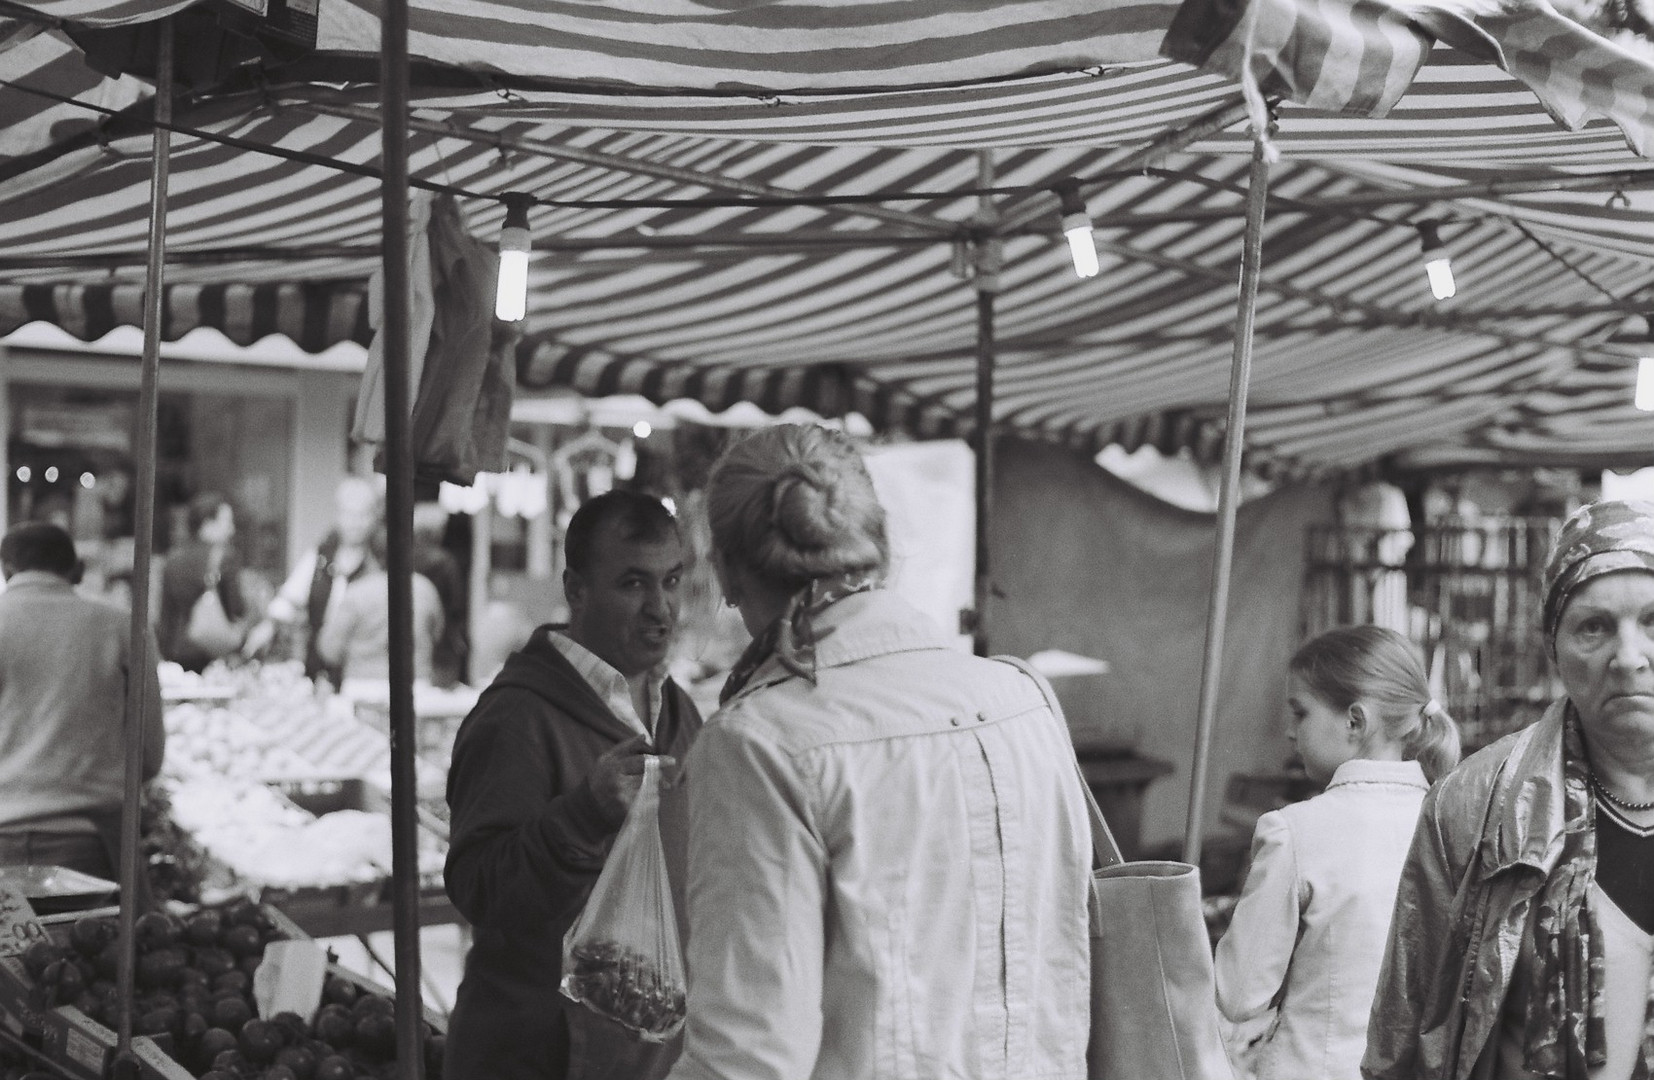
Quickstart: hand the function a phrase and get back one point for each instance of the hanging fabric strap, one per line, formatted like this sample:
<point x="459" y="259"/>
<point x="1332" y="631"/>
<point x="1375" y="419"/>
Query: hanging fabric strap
<point x="1105" y="851"/>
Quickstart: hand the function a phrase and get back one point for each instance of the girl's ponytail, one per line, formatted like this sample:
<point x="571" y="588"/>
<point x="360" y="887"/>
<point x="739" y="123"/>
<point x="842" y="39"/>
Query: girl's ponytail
<point x="1434" y="744"/>
<point x="1378" y="665"/>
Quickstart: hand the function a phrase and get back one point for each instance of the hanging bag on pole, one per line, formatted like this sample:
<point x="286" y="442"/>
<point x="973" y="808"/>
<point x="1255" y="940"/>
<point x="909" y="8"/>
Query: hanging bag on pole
<point x="1153" y="991"/>
<point x="622" y="958"/>
<point x="210" y="627"/>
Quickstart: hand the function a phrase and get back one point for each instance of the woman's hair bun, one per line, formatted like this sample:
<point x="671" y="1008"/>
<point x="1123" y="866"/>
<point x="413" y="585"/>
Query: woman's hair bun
<point x="805" y="510"/>
<point x="795" y="502"/>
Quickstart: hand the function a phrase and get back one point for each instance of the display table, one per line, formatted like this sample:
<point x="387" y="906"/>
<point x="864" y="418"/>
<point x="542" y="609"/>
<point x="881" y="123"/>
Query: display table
<point x="1118" y="780"/>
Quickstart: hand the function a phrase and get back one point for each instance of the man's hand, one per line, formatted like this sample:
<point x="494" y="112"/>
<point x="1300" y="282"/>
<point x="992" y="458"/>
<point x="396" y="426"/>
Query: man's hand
<point x="618" y="773"/>
<point x="258" y="638"/>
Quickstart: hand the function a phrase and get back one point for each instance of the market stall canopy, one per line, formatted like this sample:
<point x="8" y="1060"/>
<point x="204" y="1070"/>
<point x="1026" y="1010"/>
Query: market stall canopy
<point x="763" y="202"/>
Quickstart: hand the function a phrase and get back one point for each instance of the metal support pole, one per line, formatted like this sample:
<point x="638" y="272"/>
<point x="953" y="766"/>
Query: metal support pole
<point x="988" y="257"/>
<point x="410" y="1041"/>
<point x="143" y="548"/>
<point x="1240" y="377"/>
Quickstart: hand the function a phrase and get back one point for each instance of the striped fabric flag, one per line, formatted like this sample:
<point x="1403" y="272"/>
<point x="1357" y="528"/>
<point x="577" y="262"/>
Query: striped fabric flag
<point x="1577" y="73"/>
<point x="1356" y="58"/>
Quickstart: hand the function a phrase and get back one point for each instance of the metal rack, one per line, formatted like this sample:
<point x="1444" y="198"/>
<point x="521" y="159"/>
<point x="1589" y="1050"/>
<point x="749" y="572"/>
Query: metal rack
<point x="1468" y="594"/>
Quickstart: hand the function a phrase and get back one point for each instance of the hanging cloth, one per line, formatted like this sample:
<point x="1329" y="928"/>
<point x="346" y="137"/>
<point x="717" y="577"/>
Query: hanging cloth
<point x="369" y="423"/>
<point x="461" y="359"/>
<point x="462" y="412"/>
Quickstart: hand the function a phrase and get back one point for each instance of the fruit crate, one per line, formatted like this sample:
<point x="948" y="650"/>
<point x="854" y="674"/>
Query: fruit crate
<point x="174" y="956"/>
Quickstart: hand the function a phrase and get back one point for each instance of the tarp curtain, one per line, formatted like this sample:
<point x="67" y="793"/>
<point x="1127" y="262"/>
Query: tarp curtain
<point x="1134" y="593"/>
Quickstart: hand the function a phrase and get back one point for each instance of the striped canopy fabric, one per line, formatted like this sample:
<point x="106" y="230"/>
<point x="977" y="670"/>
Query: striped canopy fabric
<point x="771" y="202"/>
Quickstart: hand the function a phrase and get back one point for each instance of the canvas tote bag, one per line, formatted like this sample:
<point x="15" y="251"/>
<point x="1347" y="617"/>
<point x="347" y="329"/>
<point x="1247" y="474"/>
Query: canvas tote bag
<point x="1153" y="992"/>
<point x="210" y="627"/>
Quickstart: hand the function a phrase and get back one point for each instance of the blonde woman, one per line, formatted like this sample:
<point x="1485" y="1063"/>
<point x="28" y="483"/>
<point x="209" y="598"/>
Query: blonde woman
<point x="889" y="846"/>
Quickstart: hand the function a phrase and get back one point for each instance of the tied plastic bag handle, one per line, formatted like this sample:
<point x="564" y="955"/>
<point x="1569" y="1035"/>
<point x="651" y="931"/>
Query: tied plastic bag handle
<point x="622" y="958"/>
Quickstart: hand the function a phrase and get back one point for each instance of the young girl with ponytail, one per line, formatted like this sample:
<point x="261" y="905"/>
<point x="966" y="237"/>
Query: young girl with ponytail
<point x="1308" y="933"/>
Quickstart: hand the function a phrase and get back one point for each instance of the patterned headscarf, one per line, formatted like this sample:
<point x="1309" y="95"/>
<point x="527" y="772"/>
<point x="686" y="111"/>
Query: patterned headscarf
<point x="1597" y="539"/>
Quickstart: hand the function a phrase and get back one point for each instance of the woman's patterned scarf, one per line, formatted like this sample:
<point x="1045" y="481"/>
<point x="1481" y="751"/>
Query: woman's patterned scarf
<point x="1565" y="1029"/>
<point x="792" y="638"/>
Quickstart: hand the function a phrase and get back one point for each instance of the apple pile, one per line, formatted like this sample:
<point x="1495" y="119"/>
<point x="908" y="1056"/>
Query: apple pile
<point x="194" y="997"/>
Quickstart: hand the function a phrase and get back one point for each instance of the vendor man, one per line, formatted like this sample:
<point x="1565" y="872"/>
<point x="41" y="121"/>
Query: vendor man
<point x="65" y="661"/>
<point x="544" y="769"/>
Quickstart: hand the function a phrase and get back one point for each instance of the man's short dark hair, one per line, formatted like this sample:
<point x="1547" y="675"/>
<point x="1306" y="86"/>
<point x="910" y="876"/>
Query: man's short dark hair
<point x="39" y="545"/>
<point x="203" y="508"/>
<point x="638" y="516"/>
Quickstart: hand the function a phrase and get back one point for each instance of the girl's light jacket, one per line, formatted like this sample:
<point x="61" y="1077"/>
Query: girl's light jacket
<point x="1307" y="938"/>
<point x="888" y="870"/>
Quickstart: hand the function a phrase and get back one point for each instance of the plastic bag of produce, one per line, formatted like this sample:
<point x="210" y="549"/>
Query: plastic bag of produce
<point x="622" y="958"/>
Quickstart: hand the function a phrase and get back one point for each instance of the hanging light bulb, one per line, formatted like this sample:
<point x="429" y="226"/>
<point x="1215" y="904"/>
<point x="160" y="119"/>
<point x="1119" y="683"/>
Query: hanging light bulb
<point x="1644" y="398"/>
<point x="511" y="295"/>
<point x="1076" y="226"/>
<point x="1437" y="263"/>
<point x="1645" y="384"/>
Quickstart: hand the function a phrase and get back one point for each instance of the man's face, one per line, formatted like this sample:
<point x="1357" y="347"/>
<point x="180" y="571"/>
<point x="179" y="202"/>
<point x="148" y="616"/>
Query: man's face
<point x="625" y="609"/>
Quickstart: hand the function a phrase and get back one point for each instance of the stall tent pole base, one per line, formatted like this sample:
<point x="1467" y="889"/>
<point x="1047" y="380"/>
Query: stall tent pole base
<point x="143" y="549"/>
<point x="399" y="541"/>
<point x="1223" y="557"/>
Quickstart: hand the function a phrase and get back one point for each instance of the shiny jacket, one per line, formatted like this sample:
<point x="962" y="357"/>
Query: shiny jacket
<point x="888" y="870"/>
<point x="1487" y="839"/>
<point x="1307" y="937"/>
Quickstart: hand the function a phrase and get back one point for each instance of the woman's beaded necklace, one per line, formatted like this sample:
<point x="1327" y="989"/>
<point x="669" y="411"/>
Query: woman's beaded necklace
<point x="1623" y="804"/>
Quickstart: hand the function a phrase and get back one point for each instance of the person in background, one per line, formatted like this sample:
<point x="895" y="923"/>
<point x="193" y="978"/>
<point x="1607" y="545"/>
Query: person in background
<point x="889" y="847"/>
<point x="1523" y="940"/>
<point x="208" y="559"/>
<point x="319" y="579"/>
<point x="434" y="561"/>
<point x="65" y="663"/>
<point x="544" y="769"/>
<point x="1307" y="937"/>
<point x="354" y="639"/>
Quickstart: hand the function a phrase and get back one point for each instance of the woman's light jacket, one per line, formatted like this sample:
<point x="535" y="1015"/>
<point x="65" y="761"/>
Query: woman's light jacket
<point x="1307" y="937"/>
<point x="888" y="870"/>
<point x="1488" y="835"/>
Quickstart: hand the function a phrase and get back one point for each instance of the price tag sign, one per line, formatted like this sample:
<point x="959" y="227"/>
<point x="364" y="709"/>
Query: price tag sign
<point x="18" y="927"/>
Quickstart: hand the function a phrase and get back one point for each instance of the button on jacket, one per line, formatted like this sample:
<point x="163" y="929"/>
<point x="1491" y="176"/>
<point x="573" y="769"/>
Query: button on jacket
<point x="887" y="869"/>
<point x="1307" y="936"/>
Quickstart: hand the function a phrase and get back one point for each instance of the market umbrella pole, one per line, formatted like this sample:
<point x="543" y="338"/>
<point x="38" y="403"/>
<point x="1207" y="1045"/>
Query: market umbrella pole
<point x="410" y="1042"/>
<point x="143" y="548"/>
<point x="1240" y="377"/>
<point x="989" y="253"/>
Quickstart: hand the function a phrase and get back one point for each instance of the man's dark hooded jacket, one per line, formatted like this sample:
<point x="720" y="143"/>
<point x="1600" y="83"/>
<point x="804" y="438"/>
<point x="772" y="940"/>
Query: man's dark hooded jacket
<point x="528" y="840"/>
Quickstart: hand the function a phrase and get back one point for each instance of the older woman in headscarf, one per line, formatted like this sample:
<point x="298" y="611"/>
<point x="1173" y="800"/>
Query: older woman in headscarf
<point x="889" y="845"/>
<point x="1524" y="926"/>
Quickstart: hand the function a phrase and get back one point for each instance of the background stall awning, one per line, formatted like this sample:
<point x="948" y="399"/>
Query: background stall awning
<point x="694" y="239"/>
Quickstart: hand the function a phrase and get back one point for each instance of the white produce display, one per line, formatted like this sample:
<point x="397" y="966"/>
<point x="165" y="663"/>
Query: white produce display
<point x="243" y="741"/>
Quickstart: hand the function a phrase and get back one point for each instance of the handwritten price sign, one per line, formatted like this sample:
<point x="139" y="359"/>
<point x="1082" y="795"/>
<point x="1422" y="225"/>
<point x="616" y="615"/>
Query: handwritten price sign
<point x="18" y="927"/>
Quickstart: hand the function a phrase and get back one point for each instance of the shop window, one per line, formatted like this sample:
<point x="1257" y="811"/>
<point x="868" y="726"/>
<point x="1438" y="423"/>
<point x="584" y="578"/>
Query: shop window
<point x="69" y="460"/>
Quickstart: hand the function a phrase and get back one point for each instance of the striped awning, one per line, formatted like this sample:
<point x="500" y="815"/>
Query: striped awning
<point x="794" y="296"/>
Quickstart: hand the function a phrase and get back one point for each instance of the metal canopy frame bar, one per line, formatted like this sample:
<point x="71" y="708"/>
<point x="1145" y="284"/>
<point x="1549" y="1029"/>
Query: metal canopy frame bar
<point x="141" y="641"/>
<point x="1240" y="376"/>
<point x="399" y="539"/>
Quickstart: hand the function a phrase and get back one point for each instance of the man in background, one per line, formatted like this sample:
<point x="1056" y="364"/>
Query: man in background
<point x="65" y="663"/>
<point x="434" y="561"/>
<point x="319" y="580"/>
<point x="544" y="769"/>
